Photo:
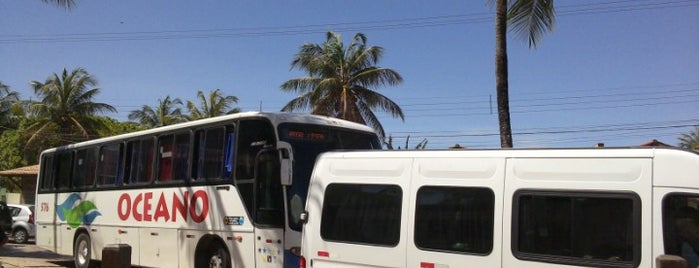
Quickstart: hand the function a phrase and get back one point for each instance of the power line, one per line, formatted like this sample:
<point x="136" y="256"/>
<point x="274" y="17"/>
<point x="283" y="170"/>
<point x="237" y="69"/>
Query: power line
<point x="394" y="24"/>
<point x="574" y="129"/>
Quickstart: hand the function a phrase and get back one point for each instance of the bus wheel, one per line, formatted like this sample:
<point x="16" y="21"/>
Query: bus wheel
<point x="82" y="251"/>
<point x="214" y="256"/>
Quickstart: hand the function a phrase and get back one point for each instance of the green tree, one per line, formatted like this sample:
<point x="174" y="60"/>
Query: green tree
<point x="690" y="140"/>
<point x="67" y="107"/>
<point x="341" y="79"/>
<point x="168" y="112"/>
<point x="530" y="19"/>
<point x="215" y="105"/>
<point x="114" y="127"/>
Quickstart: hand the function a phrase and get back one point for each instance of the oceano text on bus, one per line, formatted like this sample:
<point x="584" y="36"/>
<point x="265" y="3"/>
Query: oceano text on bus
<point x="142" y="207"/>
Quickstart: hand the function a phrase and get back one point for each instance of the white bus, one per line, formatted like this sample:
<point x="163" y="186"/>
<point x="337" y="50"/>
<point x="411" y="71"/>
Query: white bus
<point x="219" y="192"/>
<point x="503" y="208"/>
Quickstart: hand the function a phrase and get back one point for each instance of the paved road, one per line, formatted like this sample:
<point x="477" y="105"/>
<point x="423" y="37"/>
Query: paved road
<point x="29" y="255"/>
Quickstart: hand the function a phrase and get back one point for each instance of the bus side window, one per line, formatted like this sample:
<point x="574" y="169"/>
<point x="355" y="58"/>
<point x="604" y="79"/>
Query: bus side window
<point x="173" y="157"/>
<point x="85" y="165"/>
<point x="140" y="161"/>
<point x="109" y="159"/>
<point x="180" y="162"/>
<point x="64" y="167"/>
<point x="209" y="144"/>
<point x="165" y="155"/>
<point x="47" y="173"/>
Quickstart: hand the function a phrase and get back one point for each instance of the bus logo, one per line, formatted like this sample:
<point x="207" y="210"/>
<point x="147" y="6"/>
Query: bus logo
<point x="76" y="211"/>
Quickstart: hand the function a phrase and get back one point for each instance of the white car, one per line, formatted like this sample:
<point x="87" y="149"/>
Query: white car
<point x="22" y="222"/>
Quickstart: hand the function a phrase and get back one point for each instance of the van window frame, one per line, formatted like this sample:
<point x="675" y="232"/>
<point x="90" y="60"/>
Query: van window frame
<point x="390" y="240"/>
<point x="579" y="261"/>
<point x="462" y="191"/>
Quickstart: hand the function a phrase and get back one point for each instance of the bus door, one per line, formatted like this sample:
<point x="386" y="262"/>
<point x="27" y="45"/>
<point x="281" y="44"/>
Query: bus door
<point x="269" y="211"/>
<point x="257" y="175"/>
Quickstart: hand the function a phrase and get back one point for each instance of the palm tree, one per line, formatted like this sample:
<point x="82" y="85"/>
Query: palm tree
<point x="690" y="140"/>
<point x="8" y="99"/>
<point x="167" y="113"/>
<point x="67" y="4"/>
<point x="340" y="81"/>
<point x="530" y="19"/>
<point x="67" y="106"/>
<point x="217" y="104"/>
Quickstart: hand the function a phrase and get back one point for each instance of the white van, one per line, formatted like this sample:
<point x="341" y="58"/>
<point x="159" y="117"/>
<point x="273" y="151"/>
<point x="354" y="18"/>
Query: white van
<point x="503" y="208"/>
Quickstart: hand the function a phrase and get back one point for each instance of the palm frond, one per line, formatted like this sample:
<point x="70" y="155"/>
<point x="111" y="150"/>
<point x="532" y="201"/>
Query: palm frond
<point x="377" y="76"/>
<point x="66" y="4"/>
<point x="301" y="84"/>
<point x="531" y="19"/>
<point x="374" y="100"/>
<point x="371" y="119"/>
<point x="299" y="103"/>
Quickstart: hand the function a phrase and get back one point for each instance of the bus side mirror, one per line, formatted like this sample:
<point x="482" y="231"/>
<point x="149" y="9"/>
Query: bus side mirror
<point x="286" y="160"/>
<point x="670" y="261"/>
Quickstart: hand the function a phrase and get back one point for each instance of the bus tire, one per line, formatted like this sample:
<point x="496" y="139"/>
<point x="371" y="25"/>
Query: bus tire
<point x="82" y="251"/>
<point x="213" y="255"/>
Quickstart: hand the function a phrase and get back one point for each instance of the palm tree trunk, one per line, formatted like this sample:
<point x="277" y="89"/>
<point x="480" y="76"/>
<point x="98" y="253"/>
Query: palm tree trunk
<point x="501" y="86"/>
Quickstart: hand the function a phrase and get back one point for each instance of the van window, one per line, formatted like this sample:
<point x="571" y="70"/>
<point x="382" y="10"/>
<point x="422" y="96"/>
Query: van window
<point x="681" y="226"/>
<point x="362" y="213"/>
<point x="454" y="219"/>
<point x="577" y="228"/>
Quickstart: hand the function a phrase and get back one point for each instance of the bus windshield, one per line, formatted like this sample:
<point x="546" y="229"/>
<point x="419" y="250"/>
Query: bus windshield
<point x="313" y="140"/>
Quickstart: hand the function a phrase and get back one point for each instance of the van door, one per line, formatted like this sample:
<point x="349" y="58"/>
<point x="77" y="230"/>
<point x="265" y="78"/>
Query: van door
<point x="356" y="213"/>
<point x="456" y="212"/>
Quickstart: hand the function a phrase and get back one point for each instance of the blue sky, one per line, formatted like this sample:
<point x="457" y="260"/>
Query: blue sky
<point x="618" y="72"/>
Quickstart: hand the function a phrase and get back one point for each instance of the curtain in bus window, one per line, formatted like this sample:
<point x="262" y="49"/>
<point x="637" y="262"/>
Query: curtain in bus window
<point x="165" y="153"/>
<point x="228" y="160"/>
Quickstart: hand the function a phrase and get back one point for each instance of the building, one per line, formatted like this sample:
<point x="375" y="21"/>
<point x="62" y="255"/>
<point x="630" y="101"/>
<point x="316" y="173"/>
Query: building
<point x="28" y="176"/>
